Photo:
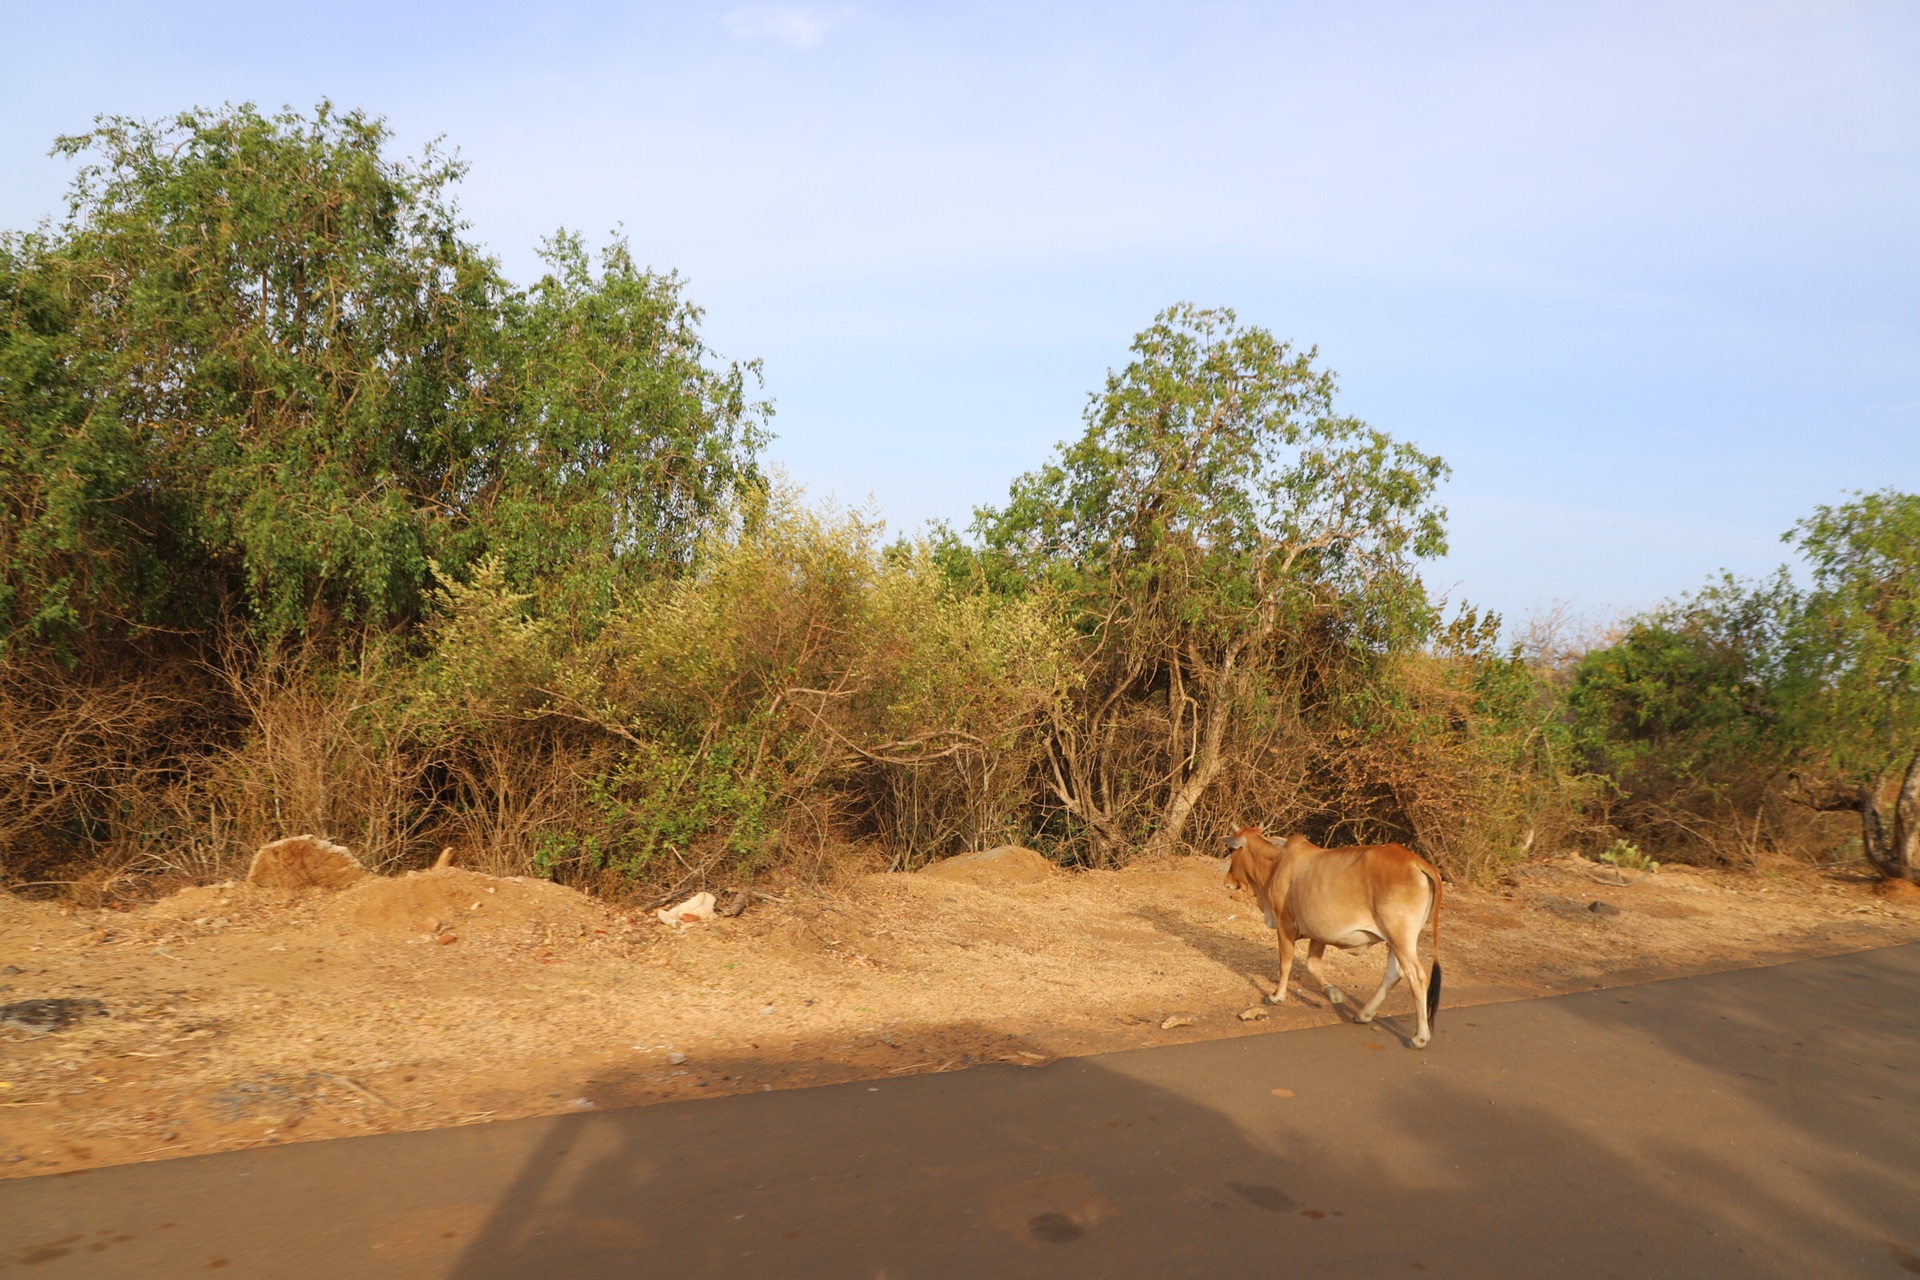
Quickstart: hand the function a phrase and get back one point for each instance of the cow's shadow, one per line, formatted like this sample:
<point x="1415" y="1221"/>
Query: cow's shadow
<point x="1256" y="962"/>
<point x="1391" y="1025"/>
<point x="1252" y="962"/>
<point x="1400" y="1026"/>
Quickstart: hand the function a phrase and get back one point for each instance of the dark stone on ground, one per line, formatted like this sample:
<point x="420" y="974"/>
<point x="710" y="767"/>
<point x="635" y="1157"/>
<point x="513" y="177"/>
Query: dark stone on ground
<point x="57" y="1013"/>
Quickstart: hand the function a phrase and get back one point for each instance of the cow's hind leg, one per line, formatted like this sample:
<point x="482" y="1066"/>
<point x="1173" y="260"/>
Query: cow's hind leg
<point x="1387" y="980"/>
<point x="1315" y="950"/>
<point x="1407" y="952"/>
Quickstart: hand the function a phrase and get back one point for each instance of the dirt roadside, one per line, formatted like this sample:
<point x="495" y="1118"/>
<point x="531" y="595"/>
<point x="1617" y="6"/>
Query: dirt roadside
<point x="236" y="1017"/>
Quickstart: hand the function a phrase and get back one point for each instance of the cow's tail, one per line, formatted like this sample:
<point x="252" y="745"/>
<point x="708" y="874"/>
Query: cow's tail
<point x="1433" y="979"/>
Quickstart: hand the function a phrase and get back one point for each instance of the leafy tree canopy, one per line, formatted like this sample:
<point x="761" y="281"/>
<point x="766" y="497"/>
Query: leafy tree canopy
<point x="1215" y="473"/>
<point x="257" y="370"/>
<point x="1850" y="662"/>
<point x="1214" y="498"/>
<point x="1688" y="686"/>
<point x="1816" y="683"/>
<point x="1821" y="676"/>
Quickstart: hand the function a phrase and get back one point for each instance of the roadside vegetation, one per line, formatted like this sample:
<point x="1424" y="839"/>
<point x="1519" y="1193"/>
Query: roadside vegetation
<point x="310" y="520"/>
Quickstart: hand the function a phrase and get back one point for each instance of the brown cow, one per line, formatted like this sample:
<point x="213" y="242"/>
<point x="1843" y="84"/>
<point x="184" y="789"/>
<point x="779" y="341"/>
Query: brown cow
<point x="1348" y="898"/>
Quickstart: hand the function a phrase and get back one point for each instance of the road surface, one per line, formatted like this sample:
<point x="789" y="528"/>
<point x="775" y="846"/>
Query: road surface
<point x="1758" y="1123"/>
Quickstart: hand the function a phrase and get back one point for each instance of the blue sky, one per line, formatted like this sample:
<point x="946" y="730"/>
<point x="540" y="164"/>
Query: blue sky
<point x="1647" y="275"/>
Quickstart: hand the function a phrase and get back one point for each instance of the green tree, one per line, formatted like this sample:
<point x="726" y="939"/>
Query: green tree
<point x="1678" y="720"/>
<point x="1214" y="499"/>
<point x="1849" y="681"/>
<point x="1686" y="687"/>
<point x="258" y="370"/>
<point x="623" y="442"/>
<point x="1815" y="686"/>
<point x="239" y="373"/>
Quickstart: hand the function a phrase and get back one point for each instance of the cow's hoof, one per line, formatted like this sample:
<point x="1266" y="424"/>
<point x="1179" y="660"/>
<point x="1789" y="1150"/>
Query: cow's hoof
<point x="1421" y="1042"/>
<point x="1280" y="999"/>
<point x="1363" y="1016"/>
<point x="1334" y="996"/>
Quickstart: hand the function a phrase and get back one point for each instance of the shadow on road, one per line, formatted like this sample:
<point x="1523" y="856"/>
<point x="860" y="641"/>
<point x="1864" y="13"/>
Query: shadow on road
<point x="999" y="1171"/>
<point x="1573" y="1149"/>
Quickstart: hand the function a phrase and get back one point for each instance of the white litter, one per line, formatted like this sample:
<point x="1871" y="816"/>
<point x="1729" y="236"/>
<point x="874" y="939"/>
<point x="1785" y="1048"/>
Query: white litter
<point x="695" y="910"/>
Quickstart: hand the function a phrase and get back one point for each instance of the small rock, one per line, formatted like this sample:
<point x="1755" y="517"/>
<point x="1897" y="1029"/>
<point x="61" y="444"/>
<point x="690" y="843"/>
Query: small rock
<point x="1600" y="908"/>
<point x="38" y="1017"/>
<point x="676" y="1058"/>
<point x="260" y="1102"/>
<point x="446" y="938"/>
<point x="581" y="1104"/>
<point x="735" y="905"/>
<point x="1176" y="1021"/>
<point x="1255" y="1014"/>
<point x="767" y="1010"/>
<point x="12" y="969"/>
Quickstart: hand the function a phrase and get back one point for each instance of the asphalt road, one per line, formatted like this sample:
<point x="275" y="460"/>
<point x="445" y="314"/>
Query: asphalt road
<point x="1765" y="1122"/>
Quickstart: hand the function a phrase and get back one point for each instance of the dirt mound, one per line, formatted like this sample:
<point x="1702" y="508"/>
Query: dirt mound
<point x="304" y="862"/>
<point x="204" y="900"/>
<point x="1898" y="891"/>
<point x="465" y="902"/>
<point x="1008" y="864"/>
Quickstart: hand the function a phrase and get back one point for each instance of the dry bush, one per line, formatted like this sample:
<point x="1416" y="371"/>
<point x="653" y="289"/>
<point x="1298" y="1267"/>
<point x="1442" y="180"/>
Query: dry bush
<point x="800" y="702"/>
<point x="1456" y="751"/>
<point x="328" y="747"/>
<point x="1731" y="816"/>
<point x="92" y="758"/>
<point x="803" y="689"/>
<point x="509" y="794"/>
<point x="1450" y="765"/>
<point x="176" y="768"/>
<point x="1553" y="639"/>
<point x="948" y="731"/>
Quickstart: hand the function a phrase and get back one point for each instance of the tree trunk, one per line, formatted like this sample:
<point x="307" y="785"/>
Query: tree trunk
<point x="1895" y="854"/>
<point x="1073" y="786"/>
<point x="1903" y="851"/>
<point x="1221" y="704"/>
<point x="1873" y="835"/>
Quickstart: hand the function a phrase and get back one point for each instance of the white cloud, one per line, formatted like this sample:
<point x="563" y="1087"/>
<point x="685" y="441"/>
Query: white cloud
<point x="796" y="28"/>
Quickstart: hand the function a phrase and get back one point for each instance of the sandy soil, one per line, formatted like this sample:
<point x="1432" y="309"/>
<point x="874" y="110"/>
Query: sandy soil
<point x="236" y="1017"/>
